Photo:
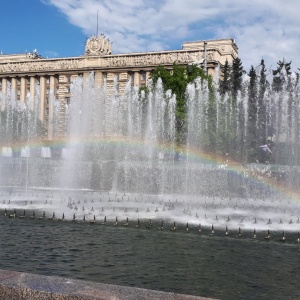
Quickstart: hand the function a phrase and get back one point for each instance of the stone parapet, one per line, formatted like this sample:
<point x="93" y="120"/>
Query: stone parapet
<point x="16" y="285"/>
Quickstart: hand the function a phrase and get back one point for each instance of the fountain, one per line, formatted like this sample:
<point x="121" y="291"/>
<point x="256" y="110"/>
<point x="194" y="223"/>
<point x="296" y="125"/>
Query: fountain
<point x="121" y="160"/>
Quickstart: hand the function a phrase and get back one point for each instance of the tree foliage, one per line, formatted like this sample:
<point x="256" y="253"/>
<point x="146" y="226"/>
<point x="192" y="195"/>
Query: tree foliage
<point x="225" y="82"/>
<point x="252" y="117"/>
<point x="261" y="105"/>
<point x="177" y="80"/>
<point x="242" y="116"/>
<point x="280" y="75"/>
<point x="236" y="77"/>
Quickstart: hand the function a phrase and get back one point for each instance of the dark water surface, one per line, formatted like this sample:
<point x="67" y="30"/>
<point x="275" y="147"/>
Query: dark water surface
<point x="190" y="263"/>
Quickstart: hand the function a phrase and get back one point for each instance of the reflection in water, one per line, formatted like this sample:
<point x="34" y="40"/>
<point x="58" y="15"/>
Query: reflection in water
<point x="219" y="266"/>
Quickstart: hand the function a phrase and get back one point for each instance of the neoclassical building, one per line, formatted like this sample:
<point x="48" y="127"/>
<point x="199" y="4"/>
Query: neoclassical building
<point x="22" y="72"/>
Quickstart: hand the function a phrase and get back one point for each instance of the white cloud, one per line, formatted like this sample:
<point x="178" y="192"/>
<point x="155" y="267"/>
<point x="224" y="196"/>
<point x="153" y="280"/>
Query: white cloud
<point x="266" y="29"/>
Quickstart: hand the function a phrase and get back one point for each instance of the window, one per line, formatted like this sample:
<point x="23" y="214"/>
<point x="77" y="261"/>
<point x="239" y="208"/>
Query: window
<point x="67" y="100"/>
<point x="143" y="76"/>
<point x="130" y="77"/>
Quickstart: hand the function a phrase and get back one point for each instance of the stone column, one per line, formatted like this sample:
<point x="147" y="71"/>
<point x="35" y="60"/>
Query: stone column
<point x="14" y="86"/>
<point x="85" y="76"/>
<point x="51" y="108"/>
<point x="23" y="89"/>
<point x="99" y="122"/>
<point x="4" y="86"/>
<point x="62" y="112"/>
<point x="98" y="79"/>
<point x="148" y="75"/>
<point x="32" y="92"/>
<point x="136" y="78"/>
<point x="42" y="98"/>
<point x="4" y="90"/>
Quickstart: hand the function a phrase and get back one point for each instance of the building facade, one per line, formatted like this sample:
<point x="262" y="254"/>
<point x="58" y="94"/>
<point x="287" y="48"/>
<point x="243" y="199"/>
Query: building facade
<point x="22" y="72"/>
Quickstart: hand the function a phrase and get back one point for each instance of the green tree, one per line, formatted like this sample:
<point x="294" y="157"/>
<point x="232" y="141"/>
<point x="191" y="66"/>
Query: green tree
<point x="297" y="120"/>
<point x="224" y="131"/>
<point x="280" y="75"/>
<point x="261" y="105"/>
<point x="265" y="126"/>
<point x="225" y="82"/>
<point x="236" y="76"/>
<point x="177" y="80"/>
<point x="236" y="114"/>
<point x="252" y="144"/>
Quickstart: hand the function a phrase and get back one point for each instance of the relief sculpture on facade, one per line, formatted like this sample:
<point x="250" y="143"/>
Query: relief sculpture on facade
<point x="98" y="45"/>
<point x="148" y="59"/>
<point x="40" y="66"/>
<point x="104" y="61"/>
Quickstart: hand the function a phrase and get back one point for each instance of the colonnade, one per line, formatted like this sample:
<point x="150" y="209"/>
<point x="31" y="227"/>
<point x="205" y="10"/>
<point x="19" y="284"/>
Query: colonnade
<point x="57" y="86"/>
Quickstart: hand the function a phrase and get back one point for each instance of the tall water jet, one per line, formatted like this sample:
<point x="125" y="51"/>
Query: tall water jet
<point x="121" y="156"/>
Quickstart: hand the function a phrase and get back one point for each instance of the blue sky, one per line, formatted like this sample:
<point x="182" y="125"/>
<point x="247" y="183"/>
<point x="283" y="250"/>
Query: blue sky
<point x="268" y="29"/>
<point x="31" y="24"/>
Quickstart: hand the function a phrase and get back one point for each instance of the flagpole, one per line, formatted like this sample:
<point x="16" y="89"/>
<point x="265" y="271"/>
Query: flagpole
<point x="97" y="22"/>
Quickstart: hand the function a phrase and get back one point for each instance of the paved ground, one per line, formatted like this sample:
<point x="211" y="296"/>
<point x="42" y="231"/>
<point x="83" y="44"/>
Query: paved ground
<point x="16" y="285"/>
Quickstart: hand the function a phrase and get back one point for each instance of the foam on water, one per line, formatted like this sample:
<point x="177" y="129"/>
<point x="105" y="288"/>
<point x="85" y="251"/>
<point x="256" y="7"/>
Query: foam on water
<point x="245" y="213"/>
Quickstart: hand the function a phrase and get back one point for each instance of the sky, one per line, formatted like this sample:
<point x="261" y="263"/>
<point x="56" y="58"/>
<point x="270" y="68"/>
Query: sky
<point x="268" y="29"/>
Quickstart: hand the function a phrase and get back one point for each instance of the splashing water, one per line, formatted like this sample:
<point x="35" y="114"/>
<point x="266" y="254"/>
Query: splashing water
<point x="120" y="160"/>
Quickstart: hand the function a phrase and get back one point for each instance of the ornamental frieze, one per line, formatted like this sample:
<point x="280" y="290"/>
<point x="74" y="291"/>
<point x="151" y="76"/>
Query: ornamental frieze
<point x="108" y="61"/>
<point x="40" y="66"/>
<point x="150" y="59"/>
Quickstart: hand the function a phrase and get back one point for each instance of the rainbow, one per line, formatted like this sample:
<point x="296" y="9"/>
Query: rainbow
<point x="192" y="154"/>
